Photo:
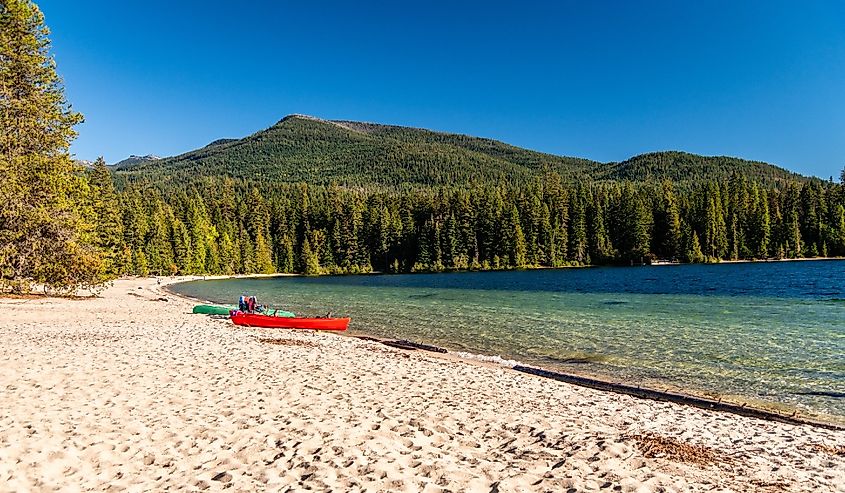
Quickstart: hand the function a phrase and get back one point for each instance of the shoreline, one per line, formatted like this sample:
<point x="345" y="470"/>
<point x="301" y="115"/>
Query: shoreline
<point x="130" y="390"/>
<point x="692" y="397"/>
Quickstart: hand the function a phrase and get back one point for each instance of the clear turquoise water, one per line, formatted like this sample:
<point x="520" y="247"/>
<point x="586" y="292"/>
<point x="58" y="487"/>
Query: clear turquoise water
<point x="765" y="333"/>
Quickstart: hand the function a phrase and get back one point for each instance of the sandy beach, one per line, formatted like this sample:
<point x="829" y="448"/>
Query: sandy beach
<point x="129" y="392"/>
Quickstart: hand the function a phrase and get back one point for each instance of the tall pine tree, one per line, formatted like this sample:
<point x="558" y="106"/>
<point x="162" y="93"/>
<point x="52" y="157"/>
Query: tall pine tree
<point x="46" y="237"/>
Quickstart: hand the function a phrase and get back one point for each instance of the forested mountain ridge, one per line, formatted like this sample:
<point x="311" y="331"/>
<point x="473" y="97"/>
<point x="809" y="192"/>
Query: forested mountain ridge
<point x="682" y="166"/>
<point x="306" y="149"/>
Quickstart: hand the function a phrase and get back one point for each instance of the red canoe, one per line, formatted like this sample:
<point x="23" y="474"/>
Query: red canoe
<point x="255" y="320"/>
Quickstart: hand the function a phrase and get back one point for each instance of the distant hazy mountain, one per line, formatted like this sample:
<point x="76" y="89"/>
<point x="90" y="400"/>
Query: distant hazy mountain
<point x="306" y="149"/>
<point x="135" y="160"/>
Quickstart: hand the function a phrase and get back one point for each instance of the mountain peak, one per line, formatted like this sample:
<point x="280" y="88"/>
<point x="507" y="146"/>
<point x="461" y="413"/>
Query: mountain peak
<point x="360" y="127"/>
<point x="300" y="116"/>
<point x="134" y="159"/>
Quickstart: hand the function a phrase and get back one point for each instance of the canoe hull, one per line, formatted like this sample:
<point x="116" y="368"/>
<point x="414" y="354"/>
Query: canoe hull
<point x="255" y="320"/>
<point x="213" y="309"/>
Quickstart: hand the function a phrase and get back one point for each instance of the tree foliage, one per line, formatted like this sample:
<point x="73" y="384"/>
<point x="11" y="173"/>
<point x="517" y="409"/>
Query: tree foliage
<point x="545" y="223"/>
<point x="46" y="234"/>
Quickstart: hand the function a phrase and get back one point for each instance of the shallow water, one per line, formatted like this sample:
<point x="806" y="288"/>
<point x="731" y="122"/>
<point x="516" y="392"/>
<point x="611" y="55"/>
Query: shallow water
<point x="766" y="333"/>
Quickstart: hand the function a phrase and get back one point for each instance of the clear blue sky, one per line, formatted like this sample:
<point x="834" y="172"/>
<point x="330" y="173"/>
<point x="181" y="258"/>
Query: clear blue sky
<point x="758" y="79"/>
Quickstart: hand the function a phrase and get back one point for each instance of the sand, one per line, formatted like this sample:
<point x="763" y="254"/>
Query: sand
<point x="128" y="392"/>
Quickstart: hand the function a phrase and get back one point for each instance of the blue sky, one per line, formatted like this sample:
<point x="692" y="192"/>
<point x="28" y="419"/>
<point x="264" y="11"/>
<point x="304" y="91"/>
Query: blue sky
<point x="604" y="80"/>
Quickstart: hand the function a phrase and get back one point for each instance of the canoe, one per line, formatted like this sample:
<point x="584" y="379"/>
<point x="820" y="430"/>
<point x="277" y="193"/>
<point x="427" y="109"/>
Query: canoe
<point x="255" y="320"/>
<point x="226" y="310"/>
<point x="213" y="309"/>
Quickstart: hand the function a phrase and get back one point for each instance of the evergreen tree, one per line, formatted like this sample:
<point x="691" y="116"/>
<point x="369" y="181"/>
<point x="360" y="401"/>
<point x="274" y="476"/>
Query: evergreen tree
<point x="287" y="261"/>
<point x="516" y="243"/>
<point x="601" y="250"/>
<point x="246" y="252"/>
<point x="634" y="220"/>
<point x="450" y="245"/>
<point x="309" y="260"/>
<point x="762" y="226"/>
<point x="45" y="235"/>
<point x="158" y="247"/>
<point x="692" y="251"/>
<point x="668" y="235"/>
<point x="715" y="230"/>
<point x="792" y="223"/>
<point x="227" y="254"/>
<point x="107" y="220"/>
<point x="578" y="229"/>
<point x="204" y="237"/>
<point x="560" y="228"/>
<point x="263" y="257"/>
<point x="139" y="263"/>
<point x="258" y="226"/>
<point x="546" y="238"/>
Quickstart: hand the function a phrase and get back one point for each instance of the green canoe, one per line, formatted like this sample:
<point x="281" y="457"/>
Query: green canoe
<point x="224" y="310"/>
<point x="213" y="309"/>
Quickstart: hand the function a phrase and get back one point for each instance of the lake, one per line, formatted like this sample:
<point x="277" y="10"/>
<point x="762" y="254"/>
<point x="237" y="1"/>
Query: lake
<point x="770" y="333"/>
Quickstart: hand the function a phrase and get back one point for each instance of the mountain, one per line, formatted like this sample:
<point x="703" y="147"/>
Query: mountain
<point x="220" y="142"/>
<point x="134" y="160"/>
<point x="84" y="163"/>
<point x="301" y="148"/>
<point x="681" y="166"/>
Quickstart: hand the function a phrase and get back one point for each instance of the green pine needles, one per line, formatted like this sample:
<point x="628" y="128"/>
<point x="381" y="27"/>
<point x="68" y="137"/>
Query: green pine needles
<point x="47" y="237"/>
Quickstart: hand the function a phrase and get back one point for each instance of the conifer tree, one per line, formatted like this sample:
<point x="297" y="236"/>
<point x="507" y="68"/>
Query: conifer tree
<point x="546" y="238"/>
<point x="715" y="230"/>
<point x="560" y="229"/>
<point x="181" y="246"/>
<point x="258" y="225"/>
<point x="158" y="248"/>
<point x="634" y="226"/>
<point x="578" y="225"/>
<point x="451" y="252"/>
<point x="46" y="237"/>
<point x="140" y="266"/>
<point x="203" y="236"/>
<point x="424" y="255"/>
<point x="287" y="262"/>
<point x="227" y="254"/>
<point x="246" y="253"/>
<point x="516" y="241"/>
<point x="692" y="251"/>
<point x="309" y="260"/>
<point x="671" y="223"/>
<point x="793" y="234"/>
<point x="437" y="250"/>
<point x="600" y="247"/>
<point x="263" y="257"/>
<point x="105" y="206"/>
<point x="762" y="226"/>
